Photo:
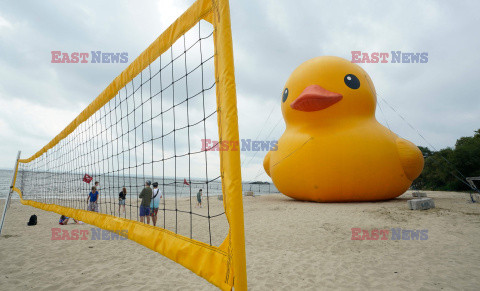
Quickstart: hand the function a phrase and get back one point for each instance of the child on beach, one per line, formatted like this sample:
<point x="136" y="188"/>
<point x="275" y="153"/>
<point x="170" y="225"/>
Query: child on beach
<point x="97" y="186"/>
<point x="157" y="195"/>
<point x="64" y="220"/>
<point x="146" y="196"/>
<point x="92" y="200"/>
<point x="122" y="196"/>
<point x="199" y="198"/>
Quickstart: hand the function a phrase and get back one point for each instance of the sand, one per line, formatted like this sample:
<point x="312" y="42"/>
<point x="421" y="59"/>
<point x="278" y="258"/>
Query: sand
<point x="290" y="245"/>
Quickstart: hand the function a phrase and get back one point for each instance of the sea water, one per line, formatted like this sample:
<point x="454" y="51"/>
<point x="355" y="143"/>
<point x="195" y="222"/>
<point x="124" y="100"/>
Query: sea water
<point x="61" y="185"/>
<point x="5" y="180"/>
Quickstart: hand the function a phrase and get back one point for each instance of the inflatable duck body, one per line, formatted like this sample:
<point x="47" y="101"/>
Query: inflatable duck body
<point x="333" y="148"/>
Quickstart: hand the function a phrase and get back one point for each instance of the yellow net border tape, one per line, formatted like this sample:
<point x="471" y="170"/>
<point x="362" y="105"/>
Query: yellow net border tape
<point x="228" y="131"/>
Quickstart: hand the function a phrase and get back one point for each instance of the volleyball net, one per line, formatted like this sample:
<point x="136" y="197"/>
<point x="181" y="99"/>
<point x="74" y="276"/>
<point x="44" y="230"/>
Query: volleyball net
<point x="147" y="126"/>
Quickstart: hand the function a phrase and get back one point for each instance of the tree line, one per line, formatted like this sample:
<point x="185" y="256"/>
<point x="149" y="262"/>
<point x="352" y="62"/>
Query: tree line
<point x="442" y="168"/>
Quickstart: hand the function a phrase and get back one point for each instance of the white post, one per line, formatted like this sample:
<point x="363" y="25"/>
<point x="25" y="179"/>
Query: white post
<point x="7" y="201"/>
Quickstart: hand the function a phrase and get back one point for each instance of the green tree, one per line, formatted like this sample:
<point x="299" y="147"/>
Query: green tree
<point x="442" y="169"/>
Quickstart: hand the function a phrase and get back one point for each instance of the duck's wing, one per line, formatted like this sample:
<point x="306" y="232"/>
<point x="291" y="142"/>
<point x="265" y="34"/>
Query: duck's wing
<point x="266" y="163"/>
<point x="411" y="158"/>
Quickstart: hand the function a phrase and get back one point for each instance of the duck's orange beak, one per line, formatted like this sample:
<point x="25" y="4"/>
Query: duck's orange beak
<point x="315" y="98"/>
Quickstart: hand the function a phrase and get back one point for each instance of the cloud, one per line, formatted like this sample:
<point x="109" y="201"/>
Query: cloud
<point x="4" y="24"/>
<point x="27" y="126"/>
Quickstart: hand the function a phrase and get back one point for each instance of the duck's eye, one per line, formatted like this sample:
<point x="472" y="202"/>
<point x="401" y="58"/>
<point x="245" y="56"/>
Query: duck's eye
<point x="352" y="81"/>
<point x="285" y="95"/>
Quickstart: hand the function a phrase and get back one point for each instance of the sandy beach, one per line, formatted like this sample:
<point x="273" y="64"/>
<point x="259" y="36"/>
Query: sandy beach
<point x="290" y="245"/>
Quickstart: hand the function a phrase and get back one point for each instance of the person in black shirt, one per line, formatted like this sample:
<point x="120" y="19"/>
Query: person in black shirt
<point x="122" y="196"/>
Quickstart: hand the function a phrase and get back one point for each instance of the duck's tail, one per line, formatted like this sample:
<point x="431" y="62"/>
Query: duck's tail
<point x="266" y="163"/>
<point x="411" y="158"/>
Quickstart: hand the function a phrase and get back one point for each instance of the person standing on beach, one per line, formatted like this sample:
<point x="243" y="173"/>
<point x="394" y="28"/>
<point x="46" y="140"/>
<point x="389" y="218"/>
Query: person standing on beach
<point x="157" y="195"/>
<point x="146" y="196"/>
<point x="97" y="186"/>
<point x="199" y="198"/>
<point x="122" y="196"/>
<point x="92" y="200"/>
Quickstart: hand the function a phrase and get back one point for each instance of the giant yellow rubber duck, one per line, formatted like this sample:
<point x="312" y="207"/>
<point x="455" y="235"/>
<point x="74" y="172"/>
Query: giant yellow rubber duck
<point x="333" y="148"/>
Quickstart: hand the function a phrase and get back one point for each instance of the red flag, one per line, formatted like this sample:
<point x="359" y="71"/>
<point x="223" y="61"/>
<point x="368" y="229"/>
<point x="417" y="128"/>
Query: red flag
<point x="185" y="182"/>
<point x="87" y="179"/>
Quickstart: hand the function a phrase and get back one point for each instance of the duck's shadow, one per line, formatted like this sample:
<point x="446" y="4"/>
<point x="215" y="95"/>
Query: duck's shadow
<point x="280" y="198"/>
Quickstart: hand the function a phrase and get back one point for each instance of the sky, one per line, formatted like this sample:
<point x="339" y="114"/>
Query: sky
<point x="438" y="98"/>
